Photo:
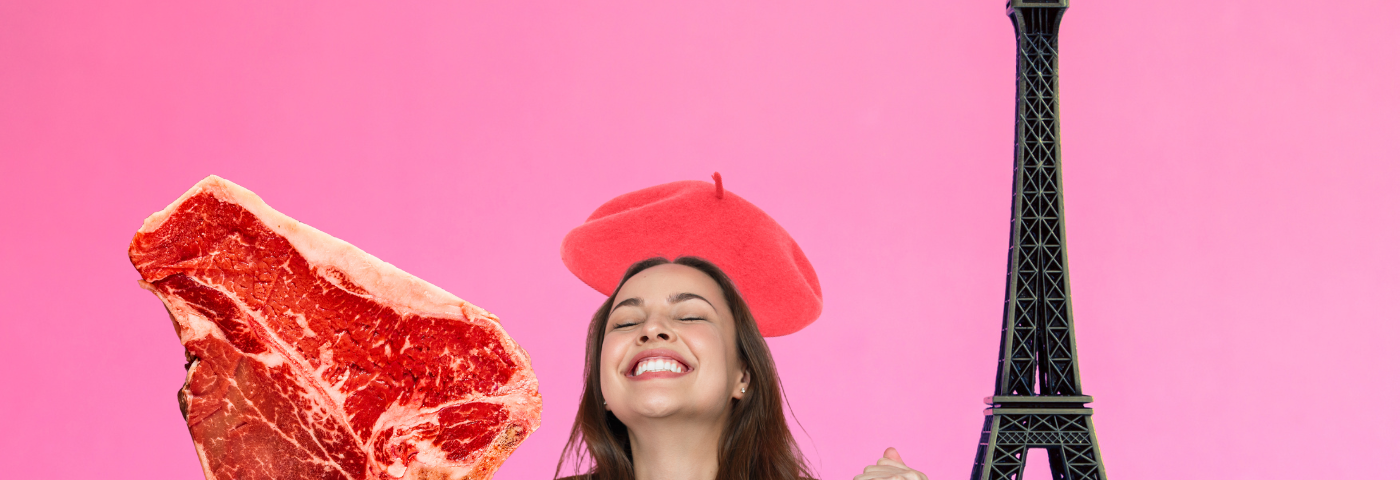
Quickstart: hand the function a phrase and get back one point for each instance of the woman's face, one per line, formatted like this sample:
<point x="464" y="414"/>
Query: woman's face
<point x="669" y="348"/>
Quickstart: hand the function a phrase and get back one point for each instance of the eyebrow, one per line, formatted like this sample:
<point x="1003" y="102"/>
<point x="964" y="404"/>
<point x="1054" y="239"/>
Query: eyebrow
<point x="681" y="297"/>
<point x="675" y="298"/>
<point x="631" y="302"/>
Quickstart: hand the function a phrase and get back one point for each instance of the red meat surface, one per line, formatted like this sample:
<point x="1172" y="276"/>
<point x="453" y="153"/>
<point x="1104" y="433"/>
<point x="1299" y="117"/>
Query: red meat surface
<point x="311" y="359"/>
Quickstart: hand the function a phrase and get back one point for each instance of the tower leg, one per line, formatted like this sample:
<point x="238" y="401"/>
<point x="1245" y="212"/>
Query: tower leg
<point x="1058" y="469"/>
<point x="997" y="459"/>
<point x="982" y="444"/>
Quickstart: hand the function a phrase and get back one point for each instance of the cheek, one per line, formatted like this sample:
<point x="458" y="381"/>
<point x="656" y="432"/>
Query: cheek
<point x="611" y="356"/>
<point x="722" y="351"/>
<point x="704" y="341"/>
<point x="708" y="344"/>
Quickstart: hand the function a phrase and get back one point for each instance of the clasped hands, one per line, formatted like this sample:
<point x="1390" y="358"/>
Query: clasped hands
<point x="891" y="467"/>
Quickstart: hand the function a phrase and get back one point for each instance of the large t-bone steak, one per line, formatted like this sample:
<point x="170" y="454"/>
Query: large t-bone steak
<point x="311" y="359"/>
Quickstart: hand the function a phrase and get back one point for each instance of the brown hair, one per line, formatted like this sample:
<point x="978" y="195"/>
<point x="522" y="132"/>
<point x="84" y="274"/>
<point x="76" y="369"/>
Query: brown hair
<point x="756" y="443"/>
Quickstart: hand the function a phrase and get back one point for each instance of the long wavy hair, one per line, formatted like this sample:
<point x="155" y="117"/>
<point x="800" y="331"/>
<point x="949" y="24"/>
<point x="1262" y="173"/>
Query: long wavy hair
<point x="756" y="443"/>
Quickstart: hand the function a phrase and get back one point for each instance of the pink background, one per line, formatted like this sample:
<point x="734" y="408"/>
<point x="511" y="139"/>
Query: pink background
<point x="1230" y="171"/>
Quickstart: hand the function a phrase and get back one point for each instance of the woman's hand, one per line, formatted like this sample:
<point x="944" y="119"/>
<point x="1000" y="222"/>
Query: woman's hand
<point x="891" y="467"/>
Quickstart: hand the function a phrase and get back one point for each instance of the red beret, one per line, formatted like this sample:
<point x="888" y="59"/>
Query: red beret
<point x="691" y="218"/>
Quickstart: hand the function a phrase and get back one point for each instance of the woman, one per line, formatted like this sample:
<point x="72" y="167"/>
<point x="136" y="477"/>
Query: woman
<point x="679" y="383"/>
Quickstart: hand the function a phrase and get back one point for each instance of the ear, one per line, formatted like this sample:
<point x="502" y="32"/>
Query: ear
<point x="742" y="388"/>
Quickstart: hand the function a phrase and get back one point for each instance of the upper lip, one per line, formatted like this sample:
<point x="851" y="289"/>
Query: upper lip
<point x="656" y="353"/>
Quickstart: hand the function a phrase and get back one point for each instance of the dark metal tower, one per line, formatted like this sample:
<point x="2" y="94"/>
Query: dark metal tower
<point x="1038" y="402"/>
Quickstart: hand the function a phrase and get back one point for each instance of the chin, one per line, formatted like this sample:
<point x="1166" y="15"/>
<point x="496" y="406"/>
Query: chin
<point x="656" y="405"/>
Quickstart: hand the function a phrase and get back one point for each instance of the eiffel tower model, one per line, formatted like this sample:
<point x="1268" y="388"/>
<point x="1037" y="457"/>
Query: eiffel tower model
<point x="1038" y="402"/>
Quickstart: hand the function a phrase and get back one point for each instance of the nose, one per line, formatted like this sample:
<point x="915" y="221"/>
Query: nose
<point x="655" y="329"/>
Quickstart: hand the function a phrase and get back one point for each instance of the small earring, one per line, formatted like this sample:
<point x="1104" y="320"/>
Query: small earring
<point x="743" y="389"/>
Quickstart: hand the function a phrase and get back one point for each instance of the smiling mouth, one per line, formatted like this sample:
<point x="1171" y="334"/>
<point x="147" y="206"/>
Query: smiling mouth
<point x="658" y="364"/>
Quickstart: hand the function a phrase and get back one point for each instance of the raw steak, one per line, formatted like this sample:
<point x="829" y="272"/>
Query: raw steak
<point x="311" y="359"/>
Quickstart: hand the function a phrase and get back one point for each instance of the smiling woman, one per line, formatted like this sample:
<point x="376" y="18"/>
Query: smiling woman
<point x="680" y="383"/>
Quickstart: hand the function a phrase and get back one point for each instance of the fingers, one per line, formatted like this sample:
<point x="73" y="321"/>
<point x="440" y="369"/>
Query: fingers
<point x="905" y="475"/>
<point x="885" y="469"/>
<point x="893" y="454"/>
<point x="891" y="458"/>
<point x="890" y="467"/>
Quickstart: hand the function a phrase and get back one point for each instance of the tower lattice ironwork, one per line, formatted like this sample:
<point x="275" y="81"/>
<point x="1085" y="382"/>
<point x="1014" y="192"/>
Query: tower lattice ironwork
<point x="1038" y="402"/>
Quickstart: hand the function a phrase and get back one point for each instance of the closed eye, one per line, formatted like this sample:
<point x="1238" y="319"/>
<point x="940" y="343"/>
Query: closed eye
<point x="623" y="325"/>
<point x="692" y="318"/>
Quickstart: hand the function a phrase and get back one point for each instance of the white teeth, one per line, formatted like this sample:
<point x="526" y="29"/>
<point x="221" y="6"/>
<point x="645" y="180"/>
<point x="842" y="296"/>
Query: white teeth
<point x="658" y="365"/>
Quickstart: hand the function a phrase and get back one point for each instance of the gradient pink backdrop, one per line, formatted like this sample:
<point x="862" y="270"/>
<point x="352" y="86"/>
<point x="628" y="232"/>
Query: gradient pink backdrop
<point x="1230" y="170"/>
